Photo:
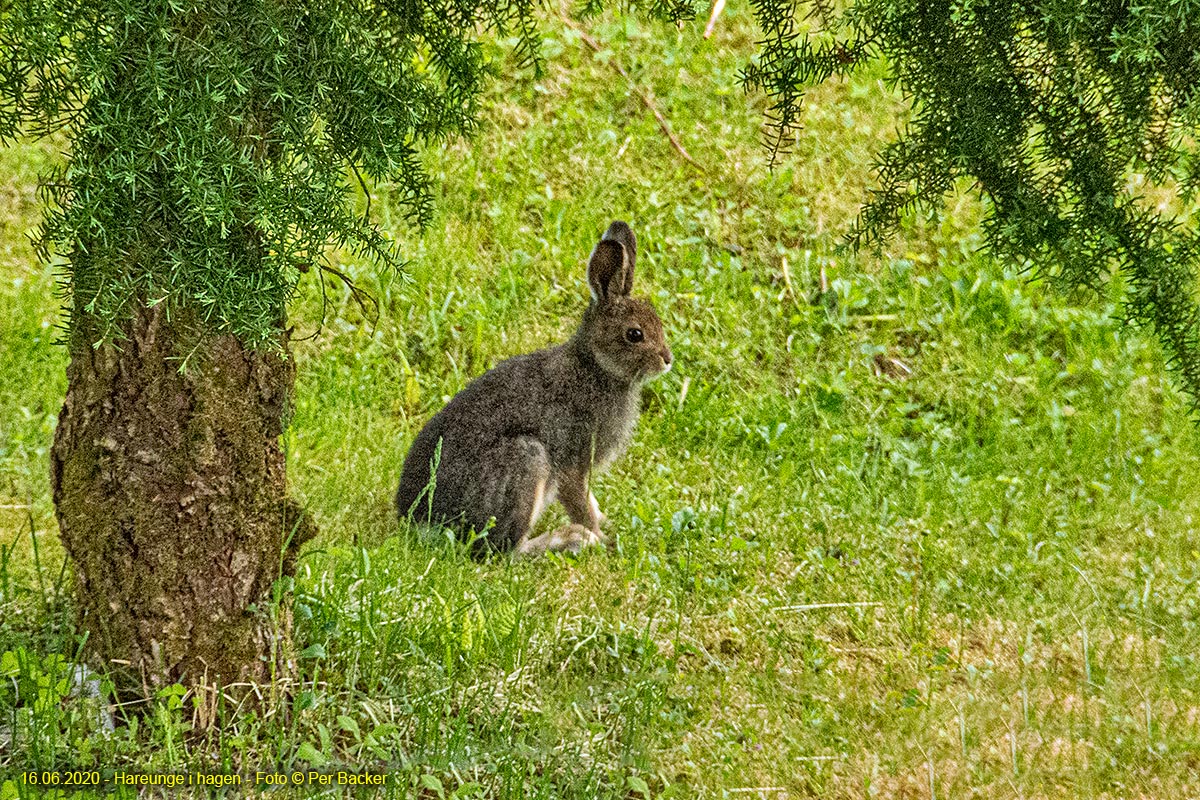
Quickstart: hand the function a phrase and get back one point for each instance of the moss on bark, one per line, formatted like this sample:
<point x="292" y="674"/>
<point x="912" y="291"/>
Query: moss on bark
<point x="171" y="496"/>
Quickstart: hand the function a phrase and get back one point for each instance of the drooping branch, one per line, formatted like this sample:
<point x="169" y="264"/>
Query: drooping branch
<point x="1052" y="111"/>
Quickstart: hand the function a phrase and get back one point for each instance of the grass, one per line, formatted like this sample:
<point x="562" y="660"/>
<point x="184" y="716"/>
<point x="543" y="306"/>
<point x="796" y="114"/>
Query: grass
<point x="929" y="533"/>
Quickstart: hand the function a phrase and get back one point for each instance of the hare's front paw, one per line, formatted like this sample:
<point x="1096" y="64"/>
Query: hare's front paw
<point x="569" y="538"/>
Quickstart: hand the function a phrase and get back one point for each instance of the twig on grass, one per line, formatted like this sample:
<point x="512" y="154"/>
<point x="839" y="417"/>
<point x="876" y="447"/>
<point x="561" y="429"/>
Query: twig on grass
<point x="718" y="7"/>
<point x="645" y="98"/>
<point x="358" y="295"/>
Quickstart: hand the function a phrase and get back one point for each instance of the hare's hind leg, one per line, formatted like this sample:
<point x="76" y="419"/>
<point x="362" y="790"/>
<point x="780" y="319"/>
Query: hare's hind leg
<point x="516" y="489"/>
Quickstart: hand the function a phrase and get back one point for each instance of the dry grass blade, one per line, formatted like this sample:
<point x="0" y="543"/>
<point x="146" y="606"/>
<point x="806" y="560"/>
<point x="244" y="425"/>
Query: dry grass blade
<point x="818" y="606"/>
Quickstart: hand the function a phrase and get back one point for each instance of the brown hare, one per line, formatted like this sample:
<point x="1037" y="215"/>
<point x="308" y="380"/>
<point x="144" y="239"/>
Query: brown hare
<point x="535" y="427"/>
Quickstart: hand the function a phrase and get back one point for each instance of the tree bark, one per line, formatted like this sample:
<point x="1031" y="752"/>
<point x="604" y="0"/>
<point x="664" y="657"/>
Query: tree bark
<point x="171" y="496"/>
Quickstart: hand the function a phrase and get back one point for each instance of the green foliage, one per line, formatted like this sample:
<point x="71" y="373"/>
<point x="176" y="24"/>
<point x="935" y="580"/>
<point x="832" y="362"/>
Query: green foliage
<point x="210" y="144"/>
<point x="46" y="712"/>
<point x="1016" y="513"/>
<point x="1073" y="119"/>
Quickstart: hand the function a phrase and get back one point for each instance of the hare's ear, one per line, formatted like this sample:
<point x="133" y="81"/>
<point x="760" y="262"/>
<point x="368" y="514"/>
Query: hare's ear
<point x="606" y="270"/>
<point x="621" y="232"/>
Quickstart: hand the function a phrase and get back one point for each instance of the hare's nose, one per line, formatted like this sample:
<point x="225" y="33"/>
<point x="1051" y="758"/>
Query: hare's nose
<point x="666" y="356"/>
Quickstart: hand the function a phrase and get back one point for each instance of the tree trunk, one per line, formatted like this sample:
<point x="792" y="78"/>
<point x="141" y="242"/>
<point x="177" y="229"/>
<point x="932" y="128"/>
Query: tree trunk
<point x="171" y="499"/>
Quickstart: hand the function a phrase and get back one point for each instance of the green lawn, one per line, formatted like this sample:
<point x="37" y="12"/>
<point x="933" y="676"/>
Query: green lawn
<point x="930" y="533"/>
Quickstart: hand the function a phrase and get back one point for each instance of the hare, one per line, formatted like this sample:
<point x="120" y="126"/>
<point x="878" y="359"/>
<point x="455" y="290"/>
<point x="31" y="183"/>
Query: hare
<point x="536" y="427"/>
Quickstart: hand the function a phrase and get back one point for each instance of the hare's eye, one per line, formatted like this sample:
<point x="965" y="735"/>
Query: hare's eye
<point x="634" y="335"/>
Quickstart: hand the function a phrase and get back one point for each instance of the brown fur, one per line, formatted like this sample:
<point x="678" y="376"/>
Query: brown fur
<point x="535" y="427"/>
